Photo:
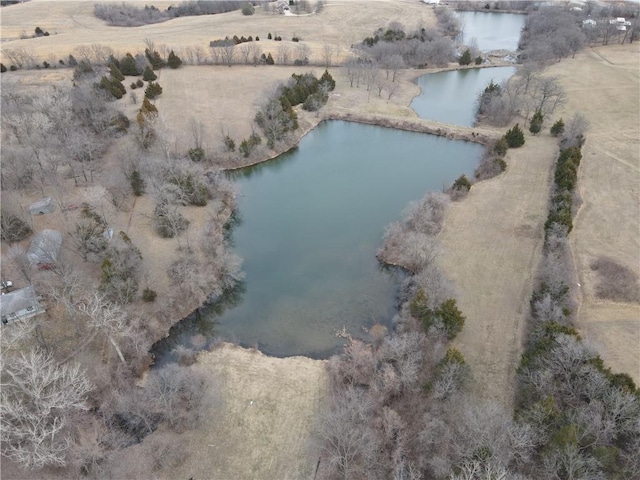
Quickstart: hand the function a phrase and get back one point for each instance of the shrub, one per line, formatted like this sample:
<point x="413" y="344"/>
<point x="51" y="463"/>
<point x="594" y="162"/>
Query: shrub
<point x="500" y="147"/>
<point x="295" y="39"/>
<point x="174" y="61"/>
<point x="133" y="85"/>
<point x="490" y="167"/>
<point x="196" y="154"/>
<point x="248" y="145"/>
<point x="2" y="68"/>
<point x="462" y="183"/>
<point x="13" y="68"/>
<point x="451" y="317"/>
<point x="478" y="60"/>
<point x="248" y="9"/>
<point x="46" y="64"/>
<point x="229" y="144"/>
<point x="148" y="75"/>
<point x="465" y="58"/>
<point x="257" y="38"/>
<point x="167" y="221"/>
<point x="139" y="83"/>
<point x="149" y="295"/>
<point x="113" y="86"/>
<point x="514" y="137"/>
<point x="269" y="36"/>
<point x="557" y="128"/>
<point x="536" y="122"/>
<point x="137" y="183"/>
<point x="193" y="191"/>
<point x="153" y="90"/>
<point x="12" y="228"/>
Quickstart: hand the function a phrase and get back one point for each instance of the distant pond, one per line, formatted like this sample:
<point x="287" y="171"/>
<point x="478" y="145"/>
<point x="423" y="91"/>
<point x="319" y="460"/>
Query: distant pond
<point x="492" y="31"/>
<point x="451" y="97"/>
<point x="310" y="223"/>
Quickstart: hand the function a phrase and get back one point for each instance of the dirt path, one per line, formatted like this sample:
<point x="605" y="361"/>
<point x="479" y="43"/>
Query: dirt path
<point x="492" y="243"/>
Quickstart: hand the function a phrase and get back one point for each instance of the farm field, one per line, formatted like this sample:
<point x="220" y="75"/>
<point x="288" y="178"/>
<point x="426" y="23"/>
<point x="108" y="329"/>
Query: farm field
<point x="71" y="24"/>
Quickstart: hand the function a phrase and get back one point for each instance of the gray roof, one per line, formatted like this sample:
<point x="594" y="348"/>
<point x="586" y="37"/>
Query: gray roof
<point x="19" y="304"/>
<point x="44" y="247"/>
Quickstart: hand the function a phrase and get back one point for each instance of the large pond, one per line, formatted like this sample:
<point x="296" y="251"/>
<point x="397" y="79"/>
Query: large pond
<point x="310" y="223"/>
<point x="492" y="31"/>
<point x="451" y="97"/>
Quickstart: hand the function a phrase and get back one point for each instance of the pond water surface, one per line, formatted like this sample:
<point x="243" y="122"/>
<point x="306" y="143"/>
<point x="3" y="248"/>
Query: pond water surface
<point x="451" y="97"/>
<point x="311" y="221"/>
<point x="492" y="31"/>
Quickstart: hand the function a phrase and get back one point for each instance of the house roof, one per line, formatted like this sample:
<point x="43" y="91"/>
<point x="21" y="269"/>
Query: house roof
<point x="19" y="304"/>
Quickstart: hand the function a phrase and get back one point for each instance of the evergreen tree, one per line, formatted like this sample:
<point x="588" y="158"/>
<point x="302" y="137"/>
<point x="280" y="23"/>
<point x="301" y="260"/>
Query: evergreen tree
<point x="173" y="61"/>
<point x="128" y="65"/>
<point x="154" y="59"/>
<point x="514" y="137"/>
<point x="137" y="183"/>
<point x="115" y="72"/>
<point x="148" y="75"/>
<point x="153" y="90"/>
<point x="558" y="128"/>
<point x="147" y="111"/>
<point x="462" y="182"/>
<point x="270" y="59"/>
<point x="269" y="37"/>
<point x="328" y="79"/>
<point x="465" y="59"/>
<point x="536" y="122"/>
<point x="113" y="86"/>
<point x="2" y="68"/>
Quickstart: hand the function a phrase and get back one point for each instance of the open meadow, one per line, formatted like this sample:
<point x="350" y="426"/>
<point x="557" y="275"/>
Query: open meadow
<point x="603" y="83"/>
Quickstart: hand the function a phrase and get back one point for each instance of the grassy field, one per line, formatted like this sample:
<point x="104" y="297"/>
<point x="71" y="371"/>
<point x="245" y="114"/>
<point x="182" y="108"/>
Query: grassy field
<point x="70" y="24"/>
<point x="603" y="83"/>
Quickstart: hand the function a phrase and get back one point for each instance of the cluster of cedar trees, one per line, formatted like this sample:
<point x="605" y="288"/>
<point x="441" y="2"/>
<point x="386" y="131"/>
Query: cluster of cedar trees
<point x="127" y="66"/>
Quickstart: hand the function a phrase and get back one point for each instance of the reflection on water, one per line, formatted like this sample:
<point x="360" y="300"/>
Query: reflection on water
<point x="311" y="222"/>
<point x="451" y="97"/>
<point x="491" y="31"/>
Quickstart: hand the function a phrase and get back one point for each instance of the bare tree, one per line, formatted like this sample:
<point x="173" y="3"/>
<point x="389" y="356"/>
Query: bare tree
<point x="303" y="51"/>
<point x="328" y="51"/>
<point x="38" y="395"/>
<point x="349" y="442"/>
<point x="108" y="319"/>
<point x="227" y="53"/>
<point x="284" y="54"/>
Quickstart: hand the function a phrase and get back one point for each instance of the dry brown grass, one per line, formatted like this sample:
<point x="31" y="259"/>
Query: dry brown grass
<point x="492" y="244"/>
<point x="603" y="83"/>
<point x="264" y="429"/>
<point x="71" y="23"/>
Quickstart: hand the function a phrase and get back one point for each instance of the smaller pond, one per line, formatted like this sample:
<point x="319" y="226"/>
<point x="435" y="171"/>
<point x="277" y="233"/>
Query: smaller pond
<point x="451" y="97"/>
<point x="492" y="31"/>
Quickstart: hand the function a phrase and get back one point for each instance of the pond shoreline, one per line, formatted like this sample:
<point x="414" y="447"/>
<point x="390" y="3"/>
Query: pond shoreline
<point x="416" y="124"/>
